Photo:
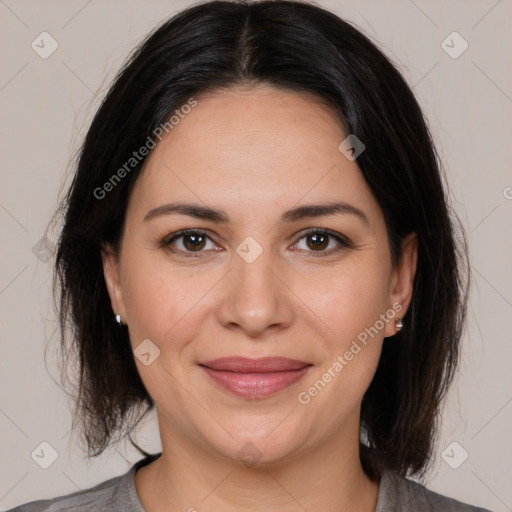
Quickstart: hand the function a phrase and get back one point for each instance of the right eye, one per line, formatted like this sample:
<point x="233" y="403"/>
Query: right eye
<point x="188" y="241"/>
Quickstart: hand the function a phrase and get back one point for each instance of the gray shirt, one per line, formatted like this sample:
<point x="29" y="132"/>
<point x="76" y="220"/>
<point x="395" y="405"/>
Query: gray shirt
<point x="396" y="494"/>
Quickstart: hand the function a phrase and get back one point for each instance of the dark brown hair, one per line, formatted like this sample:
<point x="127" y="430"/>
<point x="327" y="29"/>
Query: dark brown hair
<point x="298" y="47"/>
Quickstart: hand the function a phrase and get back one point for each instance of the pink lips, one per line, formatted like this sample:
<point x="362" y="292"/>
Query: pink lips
<point x="255" y="378"/>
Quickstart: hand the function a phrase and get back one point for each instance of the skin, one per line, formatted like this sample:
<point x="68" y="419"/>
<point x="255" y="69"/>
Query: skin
<point x="255" y="153"/>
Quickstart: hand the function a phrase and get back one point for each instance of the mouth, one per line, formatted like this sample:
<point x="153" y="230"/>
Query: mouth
<point x="255" y="378"/>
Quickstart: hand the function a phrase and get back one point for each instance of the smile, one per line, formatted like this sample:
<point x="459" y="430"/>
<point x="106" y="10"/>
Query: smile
<point x="255" y="378"/>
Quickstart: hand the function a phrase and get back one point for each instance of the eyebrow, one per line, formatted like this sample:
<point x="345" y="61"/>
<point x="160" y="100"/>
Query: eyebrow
<point x="220" y="216"/>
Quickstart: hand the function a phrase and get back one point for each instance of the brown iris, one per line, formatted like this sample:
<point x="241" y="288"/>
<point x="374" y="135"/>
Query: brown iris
<point x="319" y="241"/>
<point x="194" y="242"/>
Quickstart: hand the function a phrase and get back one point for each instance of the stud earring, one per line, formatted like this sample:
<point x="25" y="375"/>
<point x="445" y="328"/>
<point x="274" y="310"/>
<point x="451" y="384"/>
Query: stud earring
<point x="398" y="324"/>
<point x="118" y="319"/>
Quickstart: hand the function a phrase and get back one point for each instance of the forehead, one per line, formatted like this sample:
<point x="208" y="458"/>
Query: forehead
<point x="254" y="149"/>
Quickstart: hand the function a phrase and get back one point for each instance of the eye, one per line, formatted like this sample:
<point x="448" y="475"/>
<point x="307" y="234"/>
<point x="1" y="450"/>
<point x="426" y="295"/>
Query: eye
<point x="322" y="242"/>
<point x="189" y="241"/>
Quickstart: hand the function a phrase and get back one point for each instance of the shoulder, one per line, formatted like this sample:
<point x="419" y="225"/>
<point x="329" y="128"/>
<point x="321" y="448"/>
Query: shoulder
<point x="399" y="494"/>
<point x="118" y="493"/>
<point x="105" y="496"/>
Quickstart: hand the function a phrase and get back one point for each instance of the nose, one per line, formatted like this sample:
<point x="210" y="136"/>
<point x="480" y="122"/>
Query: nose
<point x="255" y="299"/>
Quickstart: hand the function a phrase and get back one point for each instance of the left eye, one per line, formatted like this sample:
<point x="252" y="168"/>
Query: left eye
<point x="321" y="242"/>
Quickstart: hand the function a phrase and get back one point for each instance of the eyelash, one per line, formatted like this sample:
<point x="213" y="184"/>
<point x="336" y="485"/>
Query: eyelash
<point x="344" y="242"/>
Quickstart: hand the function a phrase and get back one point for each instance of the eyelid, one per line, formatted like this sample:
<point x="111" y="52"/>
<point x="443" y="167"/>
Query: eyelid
<point x="189" y="231"/>
<point x="341" y="239"/>
<point x="344" y="240"/>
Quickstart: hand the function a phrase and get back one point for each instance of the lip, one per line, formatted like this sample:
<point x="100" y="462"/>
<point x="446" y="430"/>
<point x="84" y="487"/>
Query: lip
<point x="255" y="378"/>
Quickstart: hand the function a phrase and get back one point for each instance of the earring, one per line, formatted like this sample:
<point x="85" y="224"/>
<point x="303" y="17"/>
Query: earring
<point x="118" y="319"/>
<point x="398" y="324"/>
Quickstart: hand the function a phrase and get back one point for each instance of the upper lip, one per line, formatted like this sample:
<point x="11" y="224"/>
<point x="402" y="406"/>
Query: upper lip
<point x="259" y="365"/>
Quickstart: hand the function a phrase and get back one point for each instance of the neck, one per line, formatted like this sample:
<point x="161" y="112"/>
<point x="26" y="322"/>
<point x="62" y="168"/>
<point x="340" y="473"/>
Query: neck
<point x="186" y="477"/>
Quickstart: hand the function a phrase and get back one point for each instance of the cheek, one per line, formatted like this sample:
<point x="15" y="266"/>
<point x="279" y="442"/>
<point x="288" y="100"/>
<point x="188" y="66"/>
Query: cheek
<point x="350" y="329"/>
<point x="162" y="303"/>
<point x="146" y="301"/>
<point x="349" y="349"/>
<point x="346" y="298"/>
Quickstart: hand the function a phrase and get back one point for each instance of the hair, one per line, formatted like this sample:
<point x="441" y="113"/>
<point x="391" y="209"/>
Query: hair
<point x="299" y="47"/>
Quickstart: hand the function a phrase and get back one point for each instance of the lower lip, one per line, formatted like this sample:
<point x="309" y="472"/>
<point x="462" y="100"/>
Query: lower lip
<point x="255" y="385"/>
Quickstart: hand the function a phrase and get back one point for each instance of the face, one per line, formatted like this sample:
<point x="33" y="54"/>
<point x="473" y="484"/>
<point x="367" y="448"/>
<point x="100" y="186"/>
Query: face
<point x="258" y="276"/>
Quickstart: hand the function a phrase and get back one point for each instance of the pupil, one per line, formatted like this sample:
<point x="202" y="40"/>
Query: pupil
<point x="193" y="241"/>
<point x="318" y="241"/>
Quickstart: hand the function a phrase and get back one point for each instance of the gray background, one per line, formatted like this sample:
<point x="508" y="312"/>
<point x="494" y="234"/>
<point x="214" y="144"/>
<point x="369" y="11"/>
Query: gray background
<point x="46" y="107"/>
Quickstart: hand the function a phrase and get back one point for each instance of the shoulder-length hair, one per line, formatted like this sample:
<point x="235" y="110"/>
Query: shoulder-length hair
<point x="300" y="47"/>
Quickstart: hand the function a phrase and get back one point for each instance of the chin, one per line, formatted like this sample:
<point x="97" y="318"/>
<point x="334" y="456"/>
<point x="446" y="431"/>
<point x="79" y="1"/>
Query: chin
<point x="262" y="447"/>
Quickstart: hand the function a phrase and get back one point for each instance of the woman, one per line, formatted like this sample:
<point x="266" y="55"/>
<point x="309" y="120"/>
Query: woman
<point x="258" y="243"/>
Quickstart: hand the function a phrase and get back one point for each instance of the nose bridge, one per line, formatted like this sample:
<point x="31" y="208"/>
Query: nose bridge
<point x="255" y="299"/>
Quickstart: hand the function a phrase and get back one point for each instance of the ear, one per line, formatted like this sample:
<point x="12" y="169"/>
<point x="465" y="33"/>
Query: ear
<point x="402" y="281"/>
<point x="111" y="272"/>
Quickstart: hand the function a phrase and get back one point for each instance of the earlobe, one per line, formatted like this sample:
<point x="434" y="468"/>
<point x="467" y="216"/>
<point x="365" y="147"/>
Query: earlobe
<point x="402" y="281"/>
<point x="112" y="281"/>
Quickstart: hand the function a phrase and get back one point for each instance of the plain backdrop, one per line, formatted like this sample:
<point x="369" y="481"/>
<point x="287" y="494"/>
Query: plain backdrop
<point x="46" y="106"/>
